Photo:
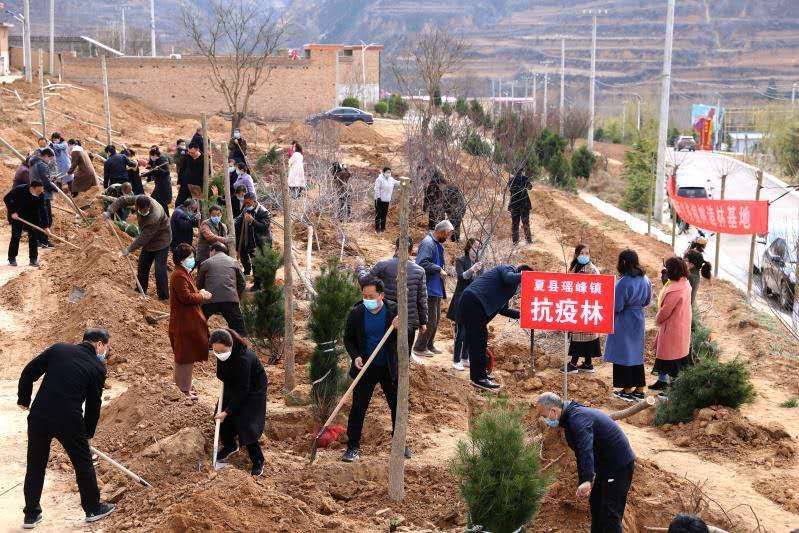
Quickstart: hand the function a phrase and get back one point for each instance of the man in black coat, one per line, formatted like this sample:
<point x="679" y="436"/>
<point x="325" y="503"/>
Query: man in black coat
<point x="115" y="168"/>
<point x="184" y="219"/>
<point x="158" y="171"/>
<point x="252" y="233"/>
<point x="519" y="206"/>
<point x="25" y="202"/>
<point x="605" y="460"/>
<point x="181" y="153"/>
<point x="193" y="169"/>
<point x="367" y="322"/>
<point x="73" y="374"/>
<point x="39" y="166"/>
<point x="455" y="209"/>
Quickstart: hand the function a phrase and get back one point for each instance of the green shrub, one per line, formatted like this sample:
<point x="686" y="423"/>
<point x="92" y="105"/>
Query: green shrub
<point x="788" y="151"/>
<point x="475" y="145"/>
<point x="351" y="101"/>
<point x="708" y="382"/>
<point x="446" y="108"/>
<point x="264" y="314"/>
<point x="477" y="114"/>
<point x="499" y="473"/>
<point x="397" y="106"/>
<point x="547" y="145"/>
<point x="336" y="294"/>
<point x="269" y="158"/>
<point x="791" y="403"/>
<point x="381" y="107"/>
<point x="583" y="162"/>
<point x="702" y="345"/>
<point x="442" y="130"/>
<point x="599" y="134"/>
<point x="461" y="107"/>
<point x="559" y="174"/>
<point x="639" y="173"/>
<point x="437" y="97"/>
<point x="672" y="137"/>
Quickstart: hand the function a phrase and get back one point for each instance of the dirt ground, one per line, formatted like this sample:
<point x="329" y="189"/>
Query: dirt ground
<point x="736" y="468"/>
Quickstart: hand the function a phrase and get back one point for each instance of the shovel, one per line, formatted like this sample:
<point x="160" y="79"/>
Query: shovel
<point x="315" y="443"/>
<point x="218" y="425"/>
<point x="46" y="232"/>
<point x="130" y="265"/>
<point x="131" y="475"/>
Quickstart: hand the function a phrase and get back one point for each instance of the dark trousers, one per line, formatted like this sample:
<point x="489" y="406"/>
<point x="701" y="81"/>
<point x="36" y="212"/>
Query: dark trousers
<point x="146" y="260"/>
<point x="456" y="223"/>
<point x="77" y="448"/>
<point x="608" y="499"/>
<point x="344" y="209"/>
<point x="247" y="256"/>
<point x="524" y="218"/>
<point x="230" y="311"/>
<point x="33" y="241"/>
<point x="183" y="194"/>
<point x="426" y="339"/>
<point x="227" y="435"/>
<point x="362" y="395"/>
<point x="474" y="321"/>
<point x="460" y="353"/>
<point x="47" y="219"/>
<point x="381" y="213"/>
<point x="165" y="205"/>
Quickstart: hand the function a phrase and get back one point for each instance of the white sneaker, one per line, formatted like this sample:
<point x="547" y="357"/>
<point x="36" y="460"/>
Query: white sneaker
<point x="465" y="363"/>
<point x="458" y="366"/>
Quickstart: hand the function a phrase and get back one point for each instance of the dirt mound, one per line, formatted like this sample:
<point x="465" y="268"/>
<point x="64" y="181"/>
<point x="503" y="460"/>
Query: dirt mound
<point x="782" y="489"/>
<point x="294" y="131"/>
<point x="361" y="133"/>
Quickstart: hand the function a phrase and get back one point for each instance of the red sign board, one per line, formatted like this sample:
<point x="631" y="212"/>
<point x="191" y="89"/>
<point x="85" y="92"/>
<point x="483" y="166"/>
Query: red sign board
<point x="737" y="217"/>
<point x="567" y="302"/>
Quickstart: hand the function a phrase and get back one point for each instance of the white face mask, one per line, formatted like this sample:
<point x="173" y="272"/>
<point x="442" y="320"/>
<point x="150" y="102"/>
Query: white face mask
<point x="230" y="169"/>
<point x="224" y="356"/>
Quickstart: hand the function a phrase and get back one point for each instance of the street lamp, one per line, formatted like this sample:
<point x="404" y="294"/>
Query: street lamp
<point x="364" y="46"/>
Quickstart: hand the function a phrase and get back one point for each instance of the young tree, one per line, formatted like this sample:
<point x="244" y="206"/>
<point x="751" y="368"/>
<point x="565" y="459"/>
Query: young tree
<point x="582" y="163"/>
<point x="236" y="38"/>
<point x="264" y="314"/>
<point x="575" y="125"/>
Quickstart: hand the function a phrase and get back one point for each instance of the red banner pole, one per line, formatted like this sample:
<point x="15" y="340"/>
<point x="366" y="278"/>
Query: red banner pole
<point x="718" y="233"/>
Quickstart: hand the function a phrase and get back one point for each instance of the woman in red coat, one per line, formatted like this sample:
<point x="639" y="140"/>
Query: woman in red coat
<point x="673" y="341"/>
<point x="188" y="328"/>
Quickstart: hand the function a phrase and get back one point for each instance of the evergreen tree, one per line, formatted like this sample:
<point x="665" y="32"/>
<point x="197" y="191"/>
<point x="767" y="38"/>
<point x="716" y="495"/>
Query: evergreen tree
<point x="461" y="107"/>
<point x="638" y="171"/>
<point x="559" y="172"/>
<point x="582" y="163"/>
<point x="337" y="292"/>
<point x="264" y="314"/>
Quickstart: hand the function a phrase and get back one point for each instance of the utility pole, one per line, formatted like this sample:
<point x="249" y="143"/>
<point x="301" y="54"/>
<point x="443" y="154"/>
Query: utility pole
<point x="562" y="109"/>
<point x="591" y="89"/>
<point x="106" y="100"/>
<point x="637" y="112"/>
<point x="544" y="105"/>
<point x="152" y="28"/>
<point x="124" y="43"/>
<point x="27" y="44"/>
<point x="535" y="86"/>
<point x="52" y="38"/>
<point x="41" y="101"/>
<point x="660" y="182"/>
<point x="288" y="286"/>
<point x="623" y="119"/>
<point x="793" y="94"/>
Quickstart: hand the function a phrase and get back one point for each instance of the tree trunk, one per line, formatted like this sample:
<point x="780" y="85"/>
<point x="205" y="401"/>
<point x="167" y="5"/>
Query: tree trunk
<point x="396" y="469"/>
<point x="288" y="282"/>
<point x="231" y="226"/>
<point x="206" y="165"/>
<point x="235" y="121"/>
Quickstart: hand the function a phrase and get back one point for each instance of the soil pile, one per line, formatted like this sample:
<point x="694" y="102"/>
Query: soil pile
<point x="360" y="133"/>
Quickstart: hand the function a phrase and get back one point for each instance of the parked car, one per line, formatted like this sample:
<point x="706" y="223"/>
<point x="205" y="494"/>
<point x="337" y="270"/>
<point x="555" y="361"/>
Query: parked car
<point x="345" y="115"/>
<point x="685" y="142"/>
<point x="778" y="271"/>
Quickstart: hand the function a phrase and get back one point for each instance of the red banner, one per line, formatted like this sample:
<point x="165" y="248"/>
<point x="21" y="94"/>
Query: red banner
<point x="737" y="217"/>
<point x="567" y="302"/>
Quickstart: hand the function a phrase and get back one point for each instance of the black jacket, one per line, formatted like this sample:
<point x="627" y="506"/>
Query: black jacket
<point x="38" y="170"/>
<point x="180" y="165"/>
<point x="134" y="176"/>
<point x="462" y="264"/>
<point x="193" y="170"/>
<point x="433" y="195"/>
<point x="182" y="225"/>
<point x="519" y="199"/>
<point x="72" y="375"/>
<point x="158" y="171"/>
<point x="19" y="200"/>
<point x="355" y="337"/>
<point x="258" y="231"/>
<point x="244" y="398"/>
<point x="454" y="202"/>
<point x="237" y="151"/>
<point x="599" y="444"/>
<point x="494" y="289"/>
<point x="115" y="170"/>
<point x="197" y="139"/>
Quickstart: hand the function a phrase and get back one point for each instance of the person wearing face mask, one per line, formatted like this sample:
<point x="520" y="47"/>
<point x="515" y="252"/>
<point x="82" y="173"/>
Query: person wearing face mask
<point x="180" y="157"/>
<point x="158" y="172"/>
<point x="252" y="233"/>
<point x="212" y="230"/>
<point x="74" y="374"/>
<point x="384" y="189"/>
<point x="184" y="219"/>
<point x="243" y="412"/>
<point x="81" y="168"/>
<point x="430" y="256"/>
<point x="243" y="178"/>
<point x="467" y="268"/>
<point x="115" y="167"/>
<point x="605" y="460"/>
<point x="237" y="148"/>
<point x="134" y="172"/>
<point x="188" y="328"/>
<point x="154" y="238"/>
<point x="236" y="200"/>
<point x="221" y="275"/>
<point x="585" y="345"/>
<point x="25" y="202"/>
<point x="367" y="322"/>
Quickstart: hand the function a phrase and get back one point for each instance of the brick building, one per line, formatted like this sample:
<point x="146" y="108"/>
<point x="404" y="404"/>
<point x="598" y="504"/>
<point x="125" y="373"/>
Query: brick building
<point x="315" y="81"/>
<point x="5" y="56"/>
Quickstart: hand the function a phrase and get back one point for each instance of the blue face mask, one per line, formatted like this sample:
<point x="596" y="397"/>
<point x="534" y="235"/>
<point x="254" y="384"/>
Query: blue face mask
<point x="371" y="305"/>
<point x="583" y="259"/>
<point x="552" y="423"/>
<point x="216" y="220"/>
<point x="188" y="263"/>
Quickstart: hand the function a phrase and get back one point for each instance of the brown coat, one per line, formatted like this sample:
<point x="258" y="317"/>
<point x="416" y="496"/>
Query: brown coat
<point x="188" y="329"/>
<point x="82" y="169"/>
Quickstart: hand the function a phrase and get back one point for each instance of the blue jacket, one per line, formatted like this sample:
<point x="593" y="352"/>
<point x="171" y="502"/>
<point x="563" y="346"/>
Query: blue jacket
<point x="182" y="225"/>
<point x="61" y="156"/>
<point x="430" y="257"/>
<point x="599" y="444"/>
<point x="625" y="346"/>
<point x="495" y="288"/>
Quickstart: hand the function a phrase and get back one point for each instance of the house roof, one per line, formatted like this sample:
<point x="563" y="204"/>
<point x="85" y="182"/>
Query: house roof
<point x="342" y="46"/>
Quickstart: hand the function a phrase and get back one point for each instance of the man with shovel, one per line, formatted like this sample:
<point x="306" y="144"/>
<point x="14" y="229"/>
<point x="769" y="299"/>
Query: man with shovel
<point x="73" y="374"/>
<point x="25" y="202"/>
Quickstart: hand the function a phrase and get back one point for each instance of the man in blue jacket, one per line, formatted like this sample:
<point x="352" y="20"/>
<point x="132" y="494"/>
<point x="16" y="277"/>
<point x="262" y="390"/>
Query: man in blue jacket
<point x="605" y="460"/>
<point x="481" y="301"/>
<point x="431" y="258"/>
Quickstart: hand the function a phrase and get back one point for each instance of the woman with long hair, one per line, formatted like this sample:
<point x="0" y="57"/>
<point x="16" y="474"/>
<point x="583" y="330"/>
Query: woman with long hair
<point x="625" y="346"/>
<point x="673" y="340"/>
<point x="467" y="268"/>
<point x="243" y="411"/>
<point x="296" y="171"/>
<point x="698" y="268"/>
<point x="585" y="345"/>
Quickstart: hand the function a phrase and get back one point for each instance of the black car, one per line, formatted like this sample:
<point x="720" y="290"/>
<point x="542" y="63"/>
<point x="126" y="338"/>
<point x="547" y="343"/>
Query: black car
<point x="778" y="271"/>
<point x="345" y="115"/>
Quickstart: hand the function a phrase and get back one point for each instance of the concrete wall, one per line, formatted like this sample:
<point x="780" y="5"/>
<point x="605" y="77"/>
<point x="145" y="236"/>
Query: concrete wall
<point x="18" y="62"/>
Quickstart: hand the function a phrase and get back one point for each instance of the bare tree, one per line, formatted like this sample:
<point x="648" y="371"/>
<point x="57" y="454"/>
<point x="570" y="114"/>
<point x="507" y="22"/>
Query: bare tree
<point x="575" y="124"/>
<point x="237" y="38"/>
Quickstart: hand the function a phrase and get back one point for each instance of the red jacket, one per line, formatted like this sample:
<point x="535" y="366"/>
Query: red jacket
<point x="188" y="329"/>
<point x="673" y="339"/>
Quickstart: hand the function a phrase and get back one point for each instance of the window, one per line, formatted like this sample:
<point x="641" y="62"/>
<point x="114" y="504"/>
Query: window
<point x="692" y="192"/>
<point x="345" y="53"/>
